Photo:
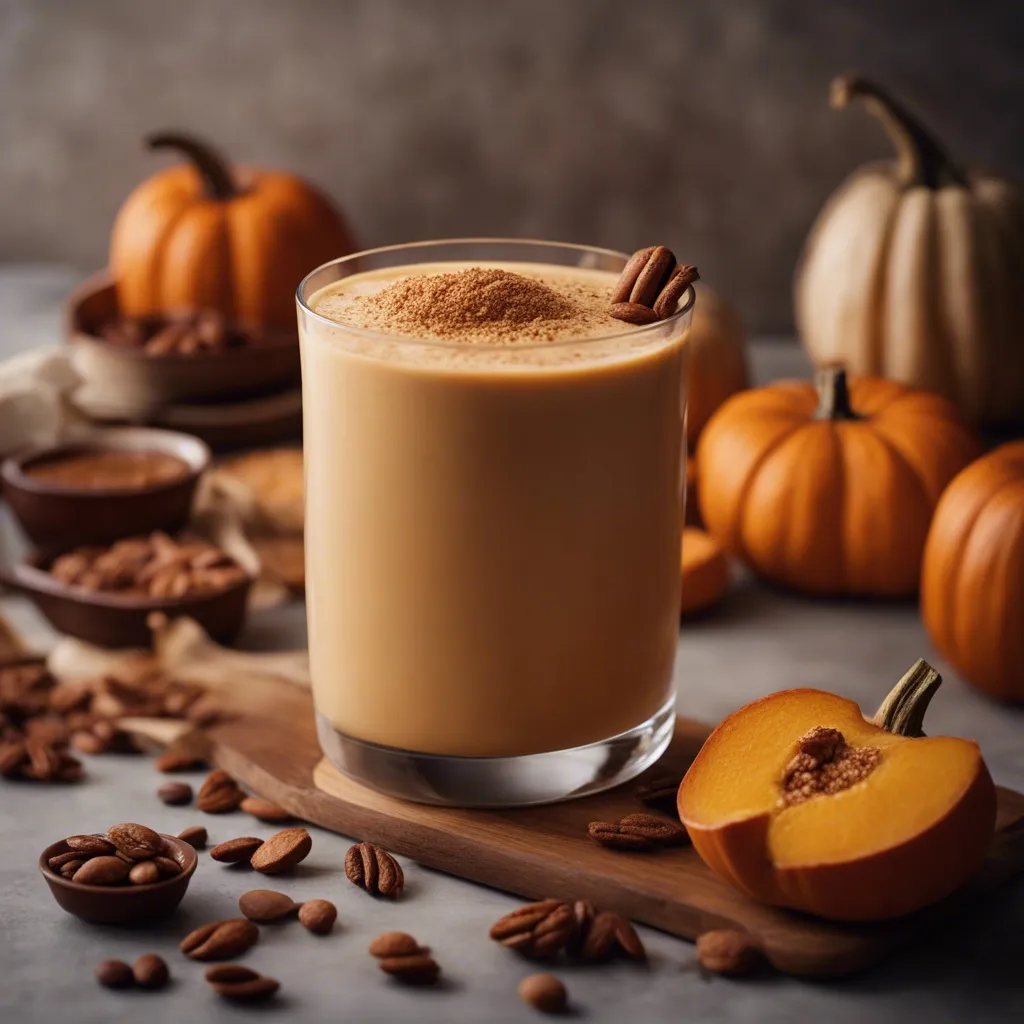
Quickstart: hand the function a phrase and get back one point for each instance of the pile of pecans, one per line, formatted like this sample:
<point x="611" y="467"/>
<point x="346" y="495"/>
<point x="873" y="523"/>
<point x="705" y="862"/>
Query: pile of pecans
<point x="156" y="566"/>
<point x="129" y="854"/>
<point x="41" y="717"/>
<point x="191" y="334"/>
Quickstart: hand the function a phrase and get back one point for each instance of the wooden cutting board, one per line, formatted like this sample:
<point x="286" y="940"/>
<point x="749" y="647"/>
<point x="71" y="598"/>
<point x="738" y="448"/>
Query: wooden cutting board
<point x="271" y="747"/>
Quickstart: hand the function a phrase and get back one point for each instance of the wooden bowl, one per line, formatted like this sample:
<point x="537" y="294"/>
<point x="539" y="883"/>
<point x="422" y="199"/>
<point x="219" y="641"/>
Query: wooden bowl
<point x="116" y="620"/>
<point x="121" y="904"/>
<point x="135" y="382"/>
<point x="57" y="515"/>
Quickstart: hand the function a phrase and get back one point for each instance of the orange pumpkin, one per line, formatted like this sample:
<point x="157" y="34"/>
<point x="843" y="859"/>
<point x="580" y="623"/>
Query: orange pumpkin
<point x="830" y="490"/>
<point x="972" y="579"/>
<point x="718" y="366"/>
<point x="204" y="235"/>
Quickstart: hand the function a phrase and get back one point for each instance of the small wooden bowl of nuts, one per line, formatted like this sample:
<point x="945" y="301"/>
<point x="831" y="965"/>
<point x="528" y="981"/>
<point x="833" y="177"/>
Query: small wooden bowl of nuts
<point x="106" y="595"/>
<point x="178" y="357"/>
<point x="129" y="875"/>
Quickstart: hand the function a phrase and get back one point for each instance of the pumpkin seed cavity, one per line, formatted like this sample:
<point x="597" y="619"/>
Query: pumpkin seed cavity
<point x="825" y="765"/>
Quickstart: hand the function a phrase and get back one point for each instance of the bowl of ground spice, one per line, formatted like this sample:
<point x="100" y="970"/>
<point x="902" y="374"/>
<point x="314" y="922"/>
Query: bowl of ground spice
<point x="105" y="485"/>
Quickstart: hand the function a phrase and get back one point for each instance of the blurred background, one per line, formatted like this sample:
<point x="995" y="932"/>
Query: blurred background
<point x="703" y="125"/>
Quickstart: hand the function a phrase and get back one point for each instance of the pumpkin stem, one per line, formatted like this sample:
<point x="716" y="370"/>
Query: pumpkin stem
<point x="833" y="395"/>
<point x="902" y="712"/>
<point x="922" y="159"/>
<point x="212" y="167"/>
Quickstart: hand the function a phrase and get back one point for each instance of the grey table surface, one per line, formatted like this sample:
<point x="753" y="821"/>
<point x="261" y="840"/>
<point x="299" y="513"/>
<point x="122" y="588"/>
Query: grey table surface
<point x="758" y="641"/>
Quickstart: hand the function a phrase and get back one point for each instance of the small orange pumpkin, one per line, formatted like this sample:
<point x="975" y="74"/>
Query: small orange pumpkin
<point x="705" y="571"/>
<point x="830" y="490"/>
<point x="718" y="364"/>
<point x="204" y="235"/>
<point x="972" y="579"/>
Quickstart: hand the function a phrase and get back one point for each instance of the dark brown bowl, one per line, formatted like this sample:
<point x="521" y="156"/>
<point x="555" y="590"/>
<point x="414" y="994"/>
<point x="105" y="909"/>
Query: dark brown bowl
<point x="121" y="904"/>
<point x="116" y="620"/>
<point x="55" y="515"/>
<point x="153" y="381"/>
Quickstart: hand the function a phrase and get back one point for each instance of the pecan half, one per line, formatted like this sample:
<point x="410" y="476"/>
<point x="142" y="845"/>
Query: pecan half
<point x="136" y="841"/>
<point x="401" y="956"/>
<point x="234" y="851"/>
<point x="633" y="313"/>
<point x="219" y="793"/>
<point x="220" y="940"/>
<point x="282" y="851"/>
<point x="375" y="870"/>
<point x="610" y="934"/>
<point x="638" y="832"/>
<point x="728" y="952"/>
<point x="538" y="930"/>
<point x="669" y="296"/>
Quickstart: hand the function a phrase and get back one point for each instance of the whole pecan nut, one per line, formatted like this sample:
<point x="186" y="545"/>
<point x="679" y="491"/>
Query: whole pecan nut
<point x="374" y="869"/>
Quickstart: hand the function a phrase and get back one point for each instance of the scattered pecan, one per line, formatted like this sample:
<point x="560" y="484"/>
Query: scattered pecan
<point x="375" y="870"/>
<point x="543" y="992"/>
<point x="219" y="793"/>
<point x="240" y="984"/>
<point x="282" y="851"/>
<point x="401" y="956"/>
<point x="610" y="934"/>
<point x="265" y="905"/>
<point x="220" y="940"/>
<point x="175" y="794"/>
<point x="195" y="836"/>
<point x="729" y="952"/>
<point x="318" y="916"/>
<point x="115" y="974"/>
<point x="538" y="930"/>
<point x="174" y="760"/>
<point x="150" y="971"/>
<point x="638" y="832"/>
<point x="236" y="851"/>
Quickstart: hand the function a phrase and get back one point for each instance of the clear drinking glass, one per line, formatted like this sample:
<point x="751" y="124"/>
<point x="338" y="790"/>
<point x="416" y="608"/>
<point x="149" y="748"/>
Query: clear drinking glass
<point x="492" y="543"/>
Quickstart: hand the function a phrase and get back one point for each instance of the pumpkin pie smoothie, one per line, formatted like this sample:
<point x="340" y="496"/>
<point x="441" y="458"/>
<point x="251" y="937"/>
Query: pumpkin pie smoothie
<point x="494" y="504"/>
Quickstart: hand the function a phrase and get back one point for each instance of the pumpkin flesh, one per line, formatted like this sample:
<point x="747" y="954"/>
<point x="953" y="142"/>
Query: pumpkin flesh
<point x="909" y="833"/>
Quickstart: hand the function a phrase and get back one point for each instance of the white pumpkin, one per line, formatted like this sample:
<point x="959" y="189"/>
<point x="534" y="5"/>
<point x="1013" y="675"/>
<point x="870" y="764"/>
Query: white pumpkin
<point x="913" y="271"/>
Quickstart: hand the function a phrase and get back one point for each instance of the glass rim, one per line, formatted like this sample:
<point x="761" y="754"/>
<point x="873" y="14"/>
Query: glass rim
<point x="631" y="332"/>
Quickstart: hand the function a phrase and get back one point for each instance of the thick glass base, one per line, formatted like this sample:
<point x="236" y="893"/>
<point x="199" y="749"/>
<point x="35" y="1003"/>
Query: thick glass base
<point x="501" y="781"/>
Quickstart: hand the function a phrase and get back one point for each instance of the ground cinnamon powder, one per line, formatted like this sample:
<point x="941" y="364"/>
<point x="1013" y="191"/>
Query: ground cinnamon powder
<point x="479" y="304"/>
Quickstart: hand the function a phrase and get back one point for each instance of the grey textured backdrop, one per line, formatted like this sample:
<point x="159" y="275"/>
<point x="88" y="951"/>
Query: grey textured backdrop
<point x="621" y="123"/>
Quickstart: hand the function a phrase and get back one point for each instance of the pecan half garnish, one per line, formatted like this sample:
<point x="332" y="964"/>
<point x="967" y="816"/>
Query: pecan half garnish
<point x="650" y="286"/>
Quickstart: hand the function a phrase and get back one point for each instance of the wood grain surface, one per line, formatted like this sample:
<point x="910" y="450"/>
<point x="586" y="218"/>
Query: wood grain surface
<point x="270" y="746"/>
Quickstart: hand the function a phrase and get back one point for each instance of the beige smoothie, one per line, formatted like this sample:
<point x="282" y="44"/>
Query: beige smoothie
<point x="494" y="503"/>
